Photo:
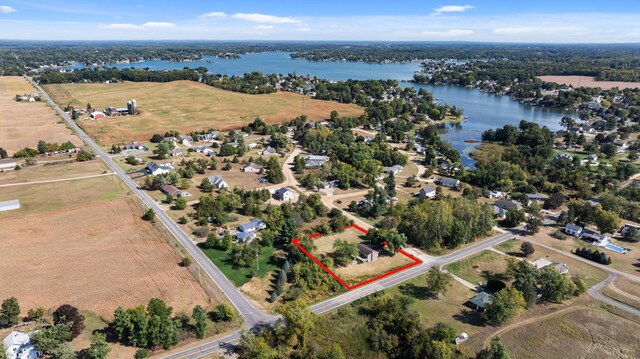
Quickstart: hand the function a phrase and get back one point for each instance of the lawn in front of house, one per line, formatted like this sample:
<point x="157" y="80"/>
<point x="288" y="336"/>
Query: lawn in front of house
<point x="480" y="267"/>
<point x="240" y="275"/>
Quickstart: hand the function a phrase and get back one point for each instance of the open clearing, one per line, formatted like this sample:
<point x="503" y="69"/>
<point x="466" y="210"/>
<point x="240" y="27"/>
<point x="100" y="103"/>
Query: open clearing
<point x="22" y="124"/>
<point x="83" y="243"/>
<point x="185" y="106"/>
<point x="579" y="334"/>
<point x="480" y="267"/>
<point x="588" y="81"/>
<point x="53" y="171"/>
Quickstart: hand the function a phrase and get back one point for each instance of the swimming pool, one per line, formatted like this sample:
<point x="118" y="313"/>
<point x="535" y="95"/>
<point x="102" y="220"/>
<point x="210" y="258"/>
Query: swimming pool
<point x="615" y="248"/>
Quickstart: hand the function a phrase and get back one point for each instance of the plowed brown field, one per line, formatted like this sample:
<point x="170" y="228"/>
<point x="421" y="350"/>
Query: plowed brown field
<point x="97" y="257"/>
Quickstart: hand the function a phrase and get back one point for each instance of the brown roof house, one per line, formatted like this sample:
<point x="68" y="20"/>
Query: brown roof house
<point x="367" y="254"/>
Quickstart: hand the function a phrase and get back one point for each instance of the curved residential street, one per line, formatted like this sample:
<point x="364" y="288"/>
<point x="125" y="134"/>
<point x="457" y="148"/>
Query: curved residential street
<point x="254" y="316"/>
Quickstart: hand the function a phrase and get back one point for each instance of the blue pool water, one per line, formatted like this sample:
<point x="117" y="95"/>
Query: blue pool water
<point x="615" y="248"/>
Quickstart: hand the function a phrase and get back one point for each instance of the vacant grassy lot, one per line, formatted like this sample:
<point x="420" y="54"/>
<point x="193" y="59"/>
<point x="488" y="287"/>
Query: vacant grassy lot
<point x="22" y="124"/>
<point x="480" y="267"/>
<point x="325" y="243"/>
<point x="53" y="171"/>
<point x="588" y="81"/>
<point x="97" y="256"/>
<point x="579" y="334"/>
<point x="185" y="106"/>
<point x="240" y="275"/>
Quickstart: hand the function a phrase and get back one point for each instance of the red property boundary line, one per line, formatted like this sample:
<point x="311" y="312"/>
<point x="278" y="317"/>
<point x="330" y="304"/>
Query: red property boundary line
<point x="415" y="261"/>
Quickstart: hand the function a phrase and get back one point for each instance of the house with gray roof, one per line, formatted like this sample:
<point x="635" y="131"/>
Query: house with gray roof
<point x="428" y="192"/>
<point x="156" y="169"/>
<point x="367" y="254"/>
<point x="573" y="230"/>
<point x="269" y="151"/>
<point x="218" y="181"/>
<point x="8" y="163"/>
<point x="449" y="182"/>
<point x="253" y="226"/>
<point x="252" y="167"/>
<point x="508" y="204"/>
<point x="313" y="161"/>
<point x="245" y="237"/>
<point x="394" y="170"/>
<point x="480" y="301"/>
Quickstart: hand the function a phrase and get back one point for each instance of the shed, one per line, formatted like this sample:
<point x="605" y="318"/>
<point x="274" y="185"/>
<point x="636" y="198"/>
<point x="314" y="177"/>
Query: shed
<point x="9" y="205"/>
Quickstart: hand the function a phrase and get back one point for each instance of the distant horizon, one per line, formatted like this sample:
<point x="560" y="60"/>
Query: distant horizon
<point x="328" y="42"/>
<point x="493" y="21"/>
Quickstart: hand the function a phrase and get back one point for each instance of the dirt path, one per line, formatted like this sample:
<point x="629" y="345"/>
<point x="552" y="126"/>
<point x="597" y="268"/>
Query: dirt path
<point x="613" y="287"/>
<point x="509" y="327"/>
<point x="56" y="180"/>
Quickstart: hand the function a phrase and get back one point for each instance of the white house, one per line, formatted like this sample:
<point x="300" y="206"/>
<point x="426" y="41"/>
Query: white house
<point x="253" y="226"/>
<point x="18" y="346"/>
<point x="269" y="151"/>
<point x="252" y="167"/>
<point x="393" y="170"/>
<point x="315" y="161"/>
<point x="427" y="192"/>
<point x="573" y="230"/>
<point x="218" y="181"/>
<point x="156" y="169"/>
<point x="283" y="194"/>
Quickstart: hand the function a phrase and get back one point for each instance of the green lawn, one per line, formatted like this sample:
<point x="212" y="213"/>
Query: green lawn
<point x="512" y="245"/>
<point x="480" y="267"/>
<point x="240" y="275"/>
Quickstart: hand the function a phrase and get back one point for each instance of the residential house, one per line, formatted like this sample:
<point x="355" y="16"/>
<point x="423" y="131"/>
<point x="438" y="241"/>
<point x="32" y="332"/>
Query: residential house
<point x="480" y="301"/>
<point x="172" y="190"/>
<point x="508" y="204"/>
<point x="269" y="151"/>
<point x="8" y="163"/>
<point x="449" y="182"/>
<point x="544" y="263"/>
<point x="245" y="237"/>
<point x="200" y="149"/>
<point x="591" y="158"/>
<point x="594" y="237"/>
<point x="627" y="227"/>
<point x="218" y="181"/>
<point x="394" y="170"/>
<point x="498" y="212"/>
<point x="313" y="161"/>
<point x="213" y="135"/>
<point x="186" y="140"/>
<point x="538" y="197"/>
<point x="428" y="192"/>
<point x="253" y="226"/>
<point x="9" y="205"/>
<point x="573" y="230"/>
<point x="252" y="167"/>
<point x="18" y="345"/>
<point x="156" y="169"/>
<point x="419" y="149"/>
<point x="176" y="152"/>
<point x="283" y="194"/>
<point x="564" y="156"/>
<point x="367" y="254"/>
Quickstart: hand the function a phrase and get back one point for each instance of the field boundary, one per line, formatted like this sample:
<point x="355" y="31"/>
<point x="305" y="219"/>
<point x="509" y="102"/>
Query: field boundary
<point x="415" y="261"/>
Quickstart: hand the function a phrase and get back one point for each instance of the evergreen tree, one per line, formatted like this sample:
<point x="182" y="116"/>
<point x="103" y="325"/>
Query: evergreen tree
<point x="9" y="312"/>
<point x="199" y="316"/>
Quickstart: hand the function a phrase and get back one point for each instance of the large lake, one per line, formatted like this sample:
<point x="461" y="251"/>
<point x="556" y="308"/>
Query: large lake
<point x="484" y="111"/>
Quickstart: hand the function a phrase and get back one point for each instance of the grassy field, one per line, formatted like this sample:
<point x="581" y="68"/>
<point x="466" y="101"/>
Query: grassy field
<point x="53" y="171"/>
<point x="240" y="275"/>
<point x="579" y="334"/>
<point x="480" y="267"/>
<point x="22" y="124"/>
<point x="185" y="106"/>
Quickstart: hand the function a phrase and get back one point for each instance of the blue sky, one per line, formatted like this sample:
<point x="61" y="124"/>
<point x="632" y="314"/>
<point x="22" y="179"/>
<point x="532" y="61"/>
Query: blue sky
<point x="393" y="20"/>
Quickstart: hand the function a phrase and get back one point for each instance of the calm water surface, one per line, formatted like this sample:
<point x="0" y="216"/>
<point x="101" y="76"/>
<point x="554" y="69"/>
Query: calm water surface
<point x="484" y="111"/>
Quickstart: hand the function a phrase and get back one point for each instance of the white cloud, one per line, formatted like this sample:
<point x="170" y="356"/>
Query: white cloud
<point x="6" y="9"/>
<point x="304" y="29"/>
<point x="262" y="18"/>
<point x="449" y="33"/>
<point x="264" y="27"/>
<point x="453" y="8"/>
<point x="213" y="14"/>
<point x="146" y="25"/>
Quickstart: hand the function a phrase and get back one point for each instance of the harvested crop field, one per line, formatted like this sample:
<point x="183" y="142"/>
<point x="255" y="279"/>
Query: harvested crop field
<point x="578" y="334"/>
<point x="22" y="124"/>
<point x="97" y="256"/>
<point x="587" y="81"/>
<point x="185" y="106"/>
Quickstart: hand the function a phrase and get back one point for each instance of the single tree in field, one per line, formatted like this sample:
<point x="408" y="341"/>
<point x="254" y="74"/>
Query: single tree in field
<point x="149" y="215"/>
<point x="199" y="316"/>
<point x="437" y="281"/>
<point x="527" y="249"/>
<point x="99" y="348"/>
<point x="69" y="314"/>
<point x="9" y="312"/>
